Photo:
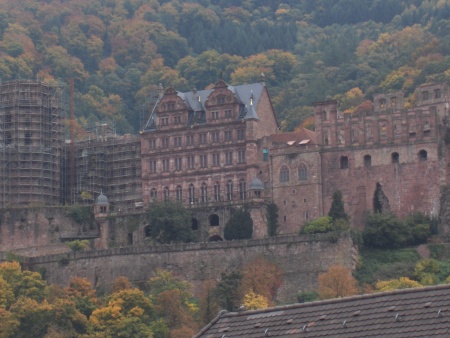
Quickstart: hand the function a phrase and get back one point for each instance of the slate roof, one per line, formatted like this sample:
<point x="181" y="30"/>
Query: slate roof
<point x="420" y="312"/>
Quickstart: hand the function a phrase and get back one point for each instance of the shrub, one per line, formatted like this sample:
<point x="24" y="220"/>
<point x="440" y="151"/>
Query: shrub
<point x="79" y="245"/>
<point x="307" y="296"/>
<point x="319" y="225"/>
<point x="385" y="231"/>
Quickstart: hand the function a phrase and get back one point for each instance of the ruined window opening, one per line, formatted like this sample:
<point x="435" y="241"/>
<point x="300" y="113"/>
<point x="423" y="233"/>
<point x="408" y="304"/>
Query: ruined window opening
<point x="367" y="161"/>
<point x="324" y="115"/>
<point x="325" y="141"/>
<point x="306" y="215"/>
<point x="423" y="155"/>
<point x="395" y="157"/>
<point x="380" y="201"/>
<point x="284" y="174"/>
<point x="393" y="101"/>
<point x="284" y="218"/>
<point x="194" y="224"/>
<point x="383" y="103"/>
<point x="344" y="162"/>
<point x="425" y="96"/>
<point x="148" y="231"/>
<point x="214" y="220"/>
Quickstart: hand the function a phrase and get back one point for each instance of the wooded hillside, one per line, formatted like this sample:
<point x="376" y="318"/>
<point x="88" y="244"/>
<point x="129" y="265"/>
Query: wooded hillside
<point x="119" y="51"/>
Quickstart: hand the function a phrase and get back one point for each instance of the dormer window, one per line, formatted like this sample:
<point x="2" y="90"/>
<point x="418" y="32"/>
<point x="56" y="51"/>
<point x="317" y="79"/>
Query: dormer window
<point x="170" y="105"/>
<point x="220" y="99"/>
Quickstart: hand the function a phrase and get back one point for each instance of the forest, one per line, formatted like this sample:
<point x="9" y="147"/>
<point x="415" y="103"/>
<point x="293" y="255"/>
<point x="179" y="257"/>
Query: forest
<point x="119" y="51"/>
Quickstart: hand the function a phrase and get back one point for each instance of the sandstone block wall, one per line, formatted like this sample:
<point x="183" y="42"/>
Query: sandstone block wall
<point x="300" y="258"/>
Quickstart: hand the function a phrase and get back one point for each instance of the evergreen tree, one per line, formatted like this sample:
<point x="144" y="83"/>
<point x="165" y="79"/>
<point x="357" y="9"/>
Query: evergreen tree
<point x="239" y="226"/>
<point x="337" y="207"/>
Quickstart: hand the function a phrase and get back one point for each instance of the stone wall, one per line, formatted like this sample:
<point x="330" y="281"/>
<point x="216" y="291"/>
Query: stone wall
<point x="300" y="258"/>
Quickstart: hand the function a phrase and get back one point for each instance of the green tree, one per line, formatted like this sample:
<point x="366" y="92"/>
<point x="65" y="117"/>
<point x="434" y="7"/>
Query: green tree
<point x="169" y="222"/>
<point x="385" y="231"/>
<point x="337" y="210"/>
<point x="272" y="219"/>
<point x="228" y="290"/>
<point x="239" y="226"/>
<point x="318" y="225"/>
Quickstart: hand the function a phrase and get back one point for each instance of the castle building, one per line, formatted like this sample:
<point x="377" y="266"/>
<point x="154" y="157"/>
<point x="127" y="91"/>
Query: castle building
<point x="201" y="148"/>
<point x="219" y="149"/>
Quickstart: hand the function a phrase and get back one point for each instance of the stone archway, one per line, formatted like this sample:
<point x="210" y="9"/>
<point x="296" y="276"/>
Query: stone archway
<point x="215" y="238"/>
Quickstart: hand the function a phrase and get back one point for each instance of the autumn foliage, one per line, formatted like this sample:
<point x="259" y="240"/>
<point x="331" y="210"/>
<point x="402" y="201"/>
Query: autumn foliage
<point x="336" y="282"/>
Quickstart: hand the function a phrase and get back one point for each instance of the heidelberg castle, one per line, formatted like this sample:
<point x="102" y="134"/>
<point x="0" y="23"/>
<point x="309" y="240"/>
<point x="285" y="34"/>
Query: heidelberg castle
<point x="218" y="149"/>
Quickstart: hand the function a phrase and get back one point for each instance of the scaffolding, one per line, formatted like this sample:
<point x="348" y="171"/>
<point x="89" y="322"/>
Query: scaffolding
<point x="109" y="163"/>
<point x="30" y="143"/>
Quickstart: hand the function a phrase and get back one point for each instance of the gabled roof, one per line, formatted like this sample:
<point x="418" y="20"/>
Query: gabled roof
<point x="420" y="312"/>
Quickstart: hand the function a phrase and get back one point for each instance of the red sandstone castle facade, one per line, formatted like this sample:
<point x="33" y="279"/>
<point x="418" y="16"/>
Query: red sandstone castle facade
<point x="206" y="148"/>
<point x="219" y="149"/>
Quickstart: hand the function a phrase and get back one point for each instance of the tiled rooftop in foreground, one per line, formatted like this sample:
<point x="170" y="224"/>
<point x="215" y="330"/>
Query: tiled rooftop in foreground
<point x="420" y="312"/>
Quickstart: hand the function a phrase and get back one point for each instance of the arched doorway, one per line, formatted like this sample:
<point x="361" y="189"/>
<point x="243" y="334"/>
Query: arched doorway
<point x="214" y="220"/>
<point x="215" y="238"/>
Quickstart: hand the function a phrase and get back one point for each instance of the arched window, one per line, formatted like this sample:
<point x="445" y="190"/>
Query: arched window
<point x="214" y="220"/>
<point x="284" y="174"/>
<point x="423" y="155"/>
<point x="153" y="194"/>
<point x="395" y="158"/>
<point x="217" y="191"/>
<point x="229" y="190"/>
<point x="204" y="193"/>
<point x="166" y="194"/>
<point x="344" y="162"/>
<point x="191" y="194"/>
<point x="302" y="172"/>
<point x="242" y="189"/>
<point x="179" y="193"/>
<point x="367" y="160"/>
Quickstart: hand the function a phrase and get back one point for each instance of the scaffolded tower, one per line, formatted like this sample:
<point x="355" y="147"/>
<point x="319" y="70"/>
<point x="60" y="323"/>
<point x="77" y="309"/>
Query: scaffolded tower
<point x="30" y="143"/>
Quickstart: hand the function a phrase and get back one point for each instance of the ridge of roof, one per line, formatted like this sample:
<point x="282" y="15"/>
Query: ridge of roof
<point x="338" y="300"/>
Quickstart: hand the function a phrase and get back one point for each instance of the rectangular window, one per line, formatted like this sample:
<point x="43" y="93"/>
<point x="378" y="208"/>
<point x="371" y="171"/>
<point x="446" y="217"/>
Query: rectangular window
<point x="152" y="144"/>
<point x="164" y="121"/>
<point x="228" y="113"/>
<point x="153" y="166"/>
<point x="191" y="162"/>
<point x="170" y="105"/>
<point x="189" y="140"/>
<point x="202" y="138"/>
<point x="241" y="156"/>
<point x="228" y="135"/>
<point x="214" y="115"/>
<point x="241" y="134"/>
<point x="177" y="120"/>
<point x="178" y="163"/>
<point x="165" y="143"/>
<point x="220" y="99"/>
<point x="229" y="158"/>
<point x="165" y="164"/>
<point x="216" y="160"/>
<point x="214" y="136"/>
<point x="177" y="141"/>
<point x="203" y="161"/>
